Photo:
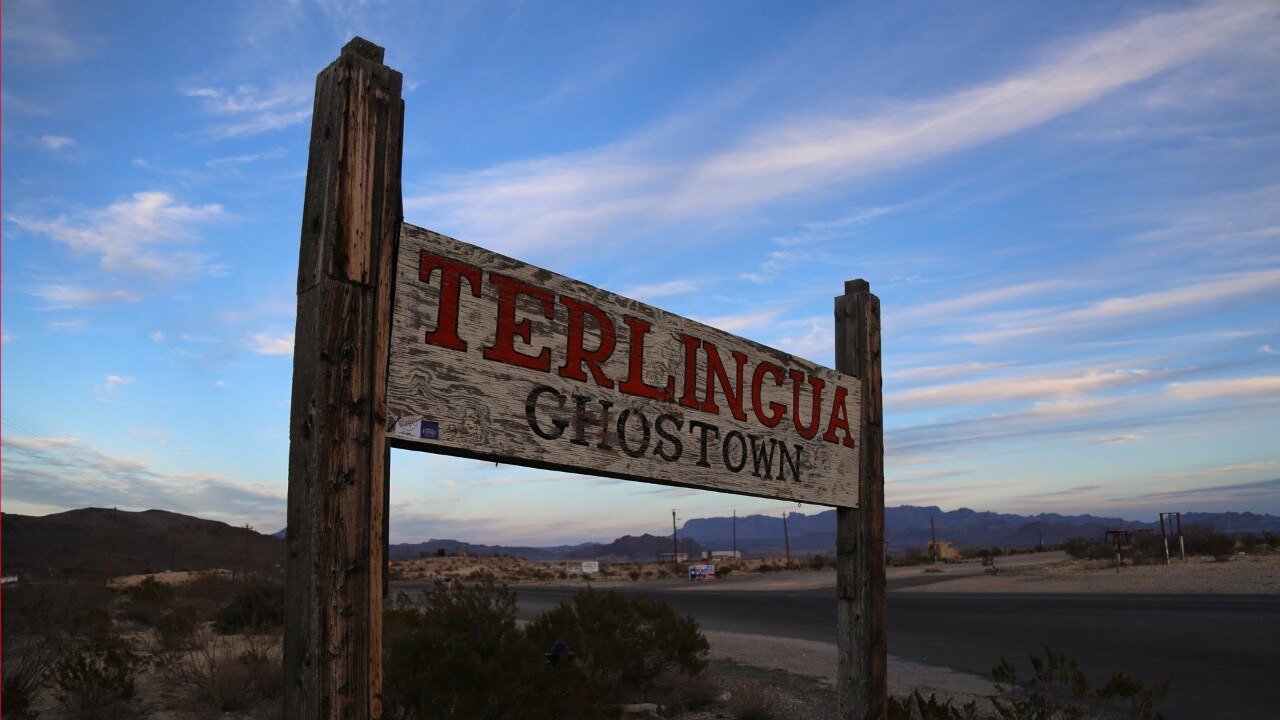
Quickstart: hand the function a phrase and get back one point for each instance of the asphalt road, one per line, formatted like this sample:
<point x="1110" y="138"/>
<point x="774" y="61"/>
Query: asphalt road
<point x="1223" y="651"/>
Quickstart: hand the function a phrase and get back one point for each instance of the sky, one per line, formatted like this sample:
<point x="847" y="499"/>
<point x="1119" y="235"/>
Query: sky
<point x="1069" y="211"/>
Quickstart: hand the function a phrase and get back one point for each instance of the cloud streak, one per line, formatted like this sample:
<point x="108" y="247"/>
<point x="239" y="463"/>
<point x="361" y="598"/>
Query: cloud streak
<point x="569" y="198"/>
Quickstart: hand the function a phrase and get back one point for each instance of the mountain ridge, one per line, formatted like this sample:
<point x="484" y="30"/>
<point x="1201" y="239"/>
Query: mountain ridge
<point x="75" y="541"/>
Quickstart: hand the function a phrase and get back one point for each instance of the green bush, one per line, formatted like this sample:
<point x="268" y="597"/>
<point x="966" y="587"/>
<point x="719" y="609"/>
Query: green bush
<point x="256" y="609"/>
<point x="623" y="643"/>
<point x="916" y="707"/>
<point x="1059" y="688"/>
<point x="460" y="655"/>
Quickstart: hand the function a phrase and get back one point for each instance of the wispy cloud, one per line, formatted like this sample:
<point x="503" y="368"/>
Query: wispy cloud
<point x="67" y="472"/>
<point x="55" y="143"/>
<point x="232" y="161"/>
<point x="1029" y="386"/>
<point x="34" y="30"/>
<point x="1236" y="387"/>
<point x="272" y="343"/>
<point x="661" y="289"/>
<point x="1123" y="311"/>
<point x="252" y="111"/>
<point x="108" y="390"/>
<point x="826" y="230"/>
<point x="1118" y="439"/>
<point x="140" y="237"/>
<point x="563" y="200"/>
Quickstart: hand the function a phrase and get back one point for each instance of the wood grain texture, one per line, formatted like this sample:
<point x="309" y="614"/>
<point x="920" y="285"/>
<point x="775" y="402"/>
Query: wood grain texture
<point x="521" y="392"/>
<point x="337" y="451"/>
<point x="862" y="635"/>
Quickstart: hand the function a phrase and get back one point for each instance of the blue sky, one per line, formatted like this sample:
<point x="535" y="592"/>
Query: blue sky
<point x="1070" y="212"/>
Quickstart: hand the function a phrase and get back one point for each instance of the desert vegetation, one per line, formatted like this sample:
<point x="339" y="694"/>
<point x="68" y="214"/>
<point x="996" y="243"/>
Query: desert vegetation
<point x="201" y="648"/>
<point x="1198" y="541"/>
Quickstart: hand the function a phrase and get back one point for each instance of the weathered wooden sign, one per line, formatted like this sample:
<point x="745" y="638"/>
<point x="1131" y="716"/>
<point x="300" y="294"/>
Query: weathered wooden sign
<point x="495" y="359"/>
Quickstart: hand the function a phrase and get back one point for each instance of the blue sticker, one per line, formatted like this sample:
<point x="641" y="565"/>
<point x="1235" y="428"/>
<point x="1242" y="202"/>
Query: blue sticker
<point x="430" y="430"/>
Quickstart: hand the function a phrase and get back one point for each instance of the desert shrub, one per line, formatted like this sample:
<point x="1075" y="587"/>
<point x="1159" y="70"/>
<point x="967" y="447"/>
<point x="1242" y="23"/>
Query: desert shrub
<point x="257" y="608"/>
<point x="916" y="707"/>
<point x="752" y="701"/>
<point x="623" y="643"/>
<point x="1059" y="688"/>
<point x="818" y="562"/>
<point x="459" y="654"/>
<point x="678" y="691"/>
<point x="1207" y="540"/>
<point x="177" y="627"/>
<point x="1085" y="549"/>
<point x="723" y="570"/>
<point x="149" y="590"/>
<point x="74" y="607"/>
<point x="634" y="574"/>
<point x="147" y="601"/>
<point x="227" y="673"/>
<point x="96" y="678"/>
<point x="27" y="663"/>
<point x="208" y="593"/>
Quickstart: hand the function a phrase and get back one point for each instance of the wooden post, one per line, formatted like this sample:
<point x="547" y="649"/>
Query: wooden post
<point x="350" y="227"/>
<point x="860" y="585"/>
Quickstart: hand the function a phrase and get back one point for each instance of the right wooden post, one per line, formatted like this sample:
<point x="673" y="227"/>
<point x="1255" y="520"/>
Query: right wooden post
<point x="862" y="637"/>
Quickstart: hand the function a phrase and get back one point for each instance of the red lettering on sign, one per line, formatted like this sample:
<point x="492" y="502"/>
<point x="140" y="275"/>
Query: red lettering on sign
<point x="503" y="348"/>
<point x="451" y="272"/>
<point x="576" y="354"/>
<point x="797" y="379"/>
<point x="690" y="396"/>
<point x="757" y="379"/>
<point x="716" y="372"/>
<point x="839" y="419"/>
<point x="635" y="384"/>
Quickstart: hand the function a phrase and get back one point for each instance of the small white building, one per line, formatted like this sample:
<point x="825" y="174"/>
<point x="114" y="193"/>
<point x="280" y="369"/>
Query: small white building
<point x="721" y="555"/>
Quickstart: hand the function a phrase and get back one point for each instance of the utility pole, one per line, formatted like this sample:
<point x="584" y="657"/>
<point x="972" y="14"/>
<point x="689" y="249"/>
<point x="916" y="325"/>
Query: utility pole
<point x="933" y="542"/>
<point x="244" y="556"/>
<point x="786" y="538"/>
<point x="111" y="539"/>
<point x="675" y="539"/>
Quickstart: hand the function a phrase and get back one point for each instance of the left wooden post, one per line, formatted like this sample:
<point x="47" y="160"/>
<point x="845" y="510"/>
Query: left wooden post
<point x="337" y="451"/>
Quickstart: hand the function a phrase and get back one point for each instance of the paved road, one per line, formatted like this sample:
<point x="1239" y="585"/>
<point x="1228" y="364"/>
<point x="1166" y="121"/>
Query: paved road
<point x="1223" y="651"/>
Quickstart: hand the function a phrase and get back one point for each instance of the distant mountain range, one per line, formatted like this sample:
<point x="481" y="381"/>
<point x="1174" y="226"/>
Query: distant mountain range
<point x="95" y="541"/>
<point x="908" y="527"/>
<point x="76" y="542"/>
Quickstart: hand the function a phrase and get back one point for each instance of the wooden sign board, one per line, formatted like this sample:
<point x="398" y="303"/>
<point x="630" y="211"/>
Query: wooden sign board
<point x="495" y="359"/>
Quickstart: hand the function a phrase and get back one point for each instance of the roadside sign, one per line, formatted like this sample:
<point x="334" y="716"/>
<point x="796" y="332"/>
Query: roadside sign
<point x="496" y="359"/>
<point x="702" y="572"/>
